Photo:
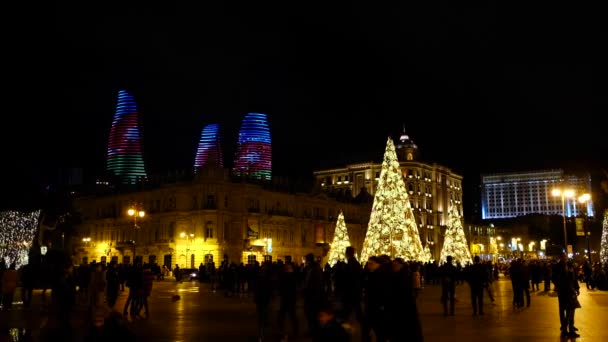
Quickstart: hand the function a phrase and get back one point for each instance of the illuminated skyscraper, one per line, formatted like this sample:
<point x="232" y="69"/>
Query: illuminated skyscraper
<point x="254" y="149"/>
<point x="209" y="150"/>
<point x="125" y="153"/>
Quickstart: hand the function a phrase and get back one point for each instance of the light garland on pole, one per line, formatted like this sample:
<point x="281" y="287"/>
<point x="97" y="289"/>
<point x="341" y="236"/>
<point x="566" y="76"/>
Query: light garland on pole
<point x="339" y="243"/>
<point x="604" y="242"/>
<point x="392" y="227"/>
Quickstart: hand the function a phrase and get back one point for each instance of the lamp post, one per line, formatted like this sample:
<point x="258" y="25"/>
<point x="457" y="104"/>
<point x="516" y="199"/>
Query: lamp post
<point x="563" y="193"/>
<point x="190" y="238"/>
<point x="583" y="199"/>
<point x="135" y="213"/>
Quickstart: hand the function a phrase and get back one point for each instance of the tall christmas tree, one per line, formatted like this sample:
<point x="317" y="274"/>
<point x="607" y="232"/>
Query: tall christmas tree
<point x="392" y="228"/>
<point x="454" y="242"/>
<point x="340" y="242"/>
<point x="604" y="246"/>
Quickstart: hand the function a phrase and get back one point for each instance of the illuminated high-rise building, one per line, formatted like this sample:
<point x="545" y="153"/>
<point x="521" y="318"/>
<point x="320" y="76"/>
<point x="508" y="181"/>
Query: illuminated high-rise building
<point x="513" y="194"/>
<point x="125" y="153"/>
<point x="209" y="152"/>
<point x="254" y="149"/>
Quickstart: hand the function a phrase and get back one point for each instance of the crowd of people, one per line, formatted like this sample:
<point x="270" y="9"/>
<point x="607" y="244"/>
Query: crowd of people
<point x="380" y="296"/>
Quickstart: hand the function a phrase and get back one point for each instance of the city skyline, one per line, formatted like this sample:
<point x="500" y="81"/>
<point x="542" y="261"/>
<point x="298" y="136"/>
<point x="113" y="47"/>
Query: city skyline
<point x="333" y="87"/>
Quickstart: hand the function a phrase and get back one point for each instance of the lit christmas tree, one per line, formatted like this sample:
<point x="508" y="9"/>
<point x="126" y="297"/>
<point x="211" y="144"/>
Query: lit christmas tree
<point x="604" y="246"/>
<point x="340" y="242"/>
<point x="454" y="242"/>
<point x="392" y="228"/>
<point x="428" y="257"/>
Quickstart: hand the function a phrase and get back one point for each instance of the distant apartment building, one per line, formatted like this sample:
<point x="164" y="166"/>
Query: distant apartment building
<point x="507" y="195"/>
<point x="431" y="187"/>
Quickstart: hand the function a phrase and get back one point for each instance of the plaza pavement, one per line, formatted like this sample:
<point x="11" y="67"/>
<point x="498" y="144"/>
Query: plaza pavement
<point x="202" y="315"/>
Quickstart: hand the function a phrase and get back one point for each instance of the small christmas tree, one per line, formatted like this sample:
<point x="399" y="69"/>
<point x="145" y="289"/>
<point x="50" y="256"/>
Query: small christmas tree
<point x="454" y="242"/>
<point x="428" y="257"/>
<point x="604" y="243"/>
<point x="392" y="228"/>
<point x="339" y="243"/>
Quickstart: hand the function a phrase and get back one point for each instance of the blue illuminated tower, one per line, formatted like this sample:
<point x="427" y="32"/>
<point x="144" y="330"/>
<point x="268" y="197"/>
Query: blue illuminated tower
<point x="209" y="152"/>
<point x="125" y="152"/>
<point x="254" y="149"/>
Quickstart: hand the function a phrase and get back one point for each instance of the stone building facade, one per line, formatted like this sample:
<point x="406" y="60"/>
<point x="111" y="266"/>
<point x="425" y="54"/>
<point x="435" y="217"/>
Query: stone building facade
<point x="211" y="218"/>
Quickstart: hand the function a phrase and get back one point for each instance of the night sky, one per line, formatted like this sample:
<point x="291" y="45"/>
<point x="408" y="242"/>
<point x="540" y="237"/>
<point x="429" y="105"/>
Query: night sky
<point x="480" y="87"/>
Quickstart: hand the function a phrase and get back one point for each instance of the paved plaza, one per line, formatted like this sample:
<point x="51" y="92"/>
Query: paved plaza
<point x="202" y="315"/>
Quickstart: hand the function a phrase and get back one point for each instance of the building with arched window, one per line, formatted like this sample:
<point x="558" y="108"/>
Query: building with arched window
<point x="209" y="218"/>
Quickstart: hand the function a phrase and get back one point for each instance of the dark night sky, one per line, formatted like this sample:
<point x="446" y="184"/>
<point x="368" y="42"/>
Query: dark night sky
<point x="480" y="87"/>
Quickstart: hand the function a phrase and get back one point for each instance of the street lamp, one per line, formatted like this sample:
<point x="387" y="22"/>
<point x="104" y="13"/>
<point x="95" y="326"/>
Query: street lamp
<point x="135" y="213"/>
<point x="583" y="199"/>
<point x="190" y="238"/>
<point x="563" y="193"/>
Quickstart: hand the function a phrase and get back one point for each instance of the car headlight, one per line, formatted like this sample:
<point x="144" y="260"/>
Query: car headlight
<point x="193" y="274"/>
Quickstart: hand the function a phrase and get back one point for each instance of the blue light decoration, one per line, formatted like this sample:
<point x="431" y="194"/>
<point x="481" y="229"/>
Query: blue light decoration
<point x="254" y="149"/>
<point x="125" y="152"/>
<point x="209" y="152"/>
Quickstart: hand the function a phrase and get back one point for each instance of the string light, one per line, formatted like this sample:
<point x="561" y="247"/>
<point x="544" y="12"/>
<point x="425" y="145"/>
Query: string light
<point x="340" y="242"/>
<point x="604" y="243"/>
<point x="392" y="227"/>
<point x="17" y="233"/>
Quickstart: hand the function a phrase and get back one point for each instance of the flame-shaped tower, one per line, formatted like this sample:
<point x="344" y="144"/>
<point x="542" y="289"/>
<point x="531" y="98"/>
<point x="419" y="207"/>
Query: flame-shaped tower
<point x="254" y="149"/>
<point x="209" y="150"/>
<point x="125" y="153"/>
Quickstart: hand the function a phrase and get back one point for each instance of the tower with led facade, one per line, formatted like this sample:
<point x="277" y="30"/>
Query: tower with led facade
<point x="209" y="152"/>
<point x="125" y="152"/>
<point x="254" y="150"/>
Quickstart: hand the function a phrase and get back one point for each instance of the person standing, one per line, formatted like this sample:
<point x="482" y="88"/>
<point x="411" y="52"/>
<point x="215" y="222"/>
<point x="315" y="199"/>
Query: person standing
<point x="477" y="281"/>
<point x="567" y="289"/>
<point x="448" y="275"/>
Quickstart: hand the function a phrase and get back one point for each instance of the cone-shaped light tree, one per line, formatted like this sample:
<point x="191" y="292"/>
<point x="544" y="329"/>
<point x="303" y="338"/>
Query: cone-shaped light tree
<point x="428" y="257"/>
<point x="392" y="228"/>
<point x="455" y="242"/>
<point x="340" y="242"/>
<point x="604" y="242"/>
